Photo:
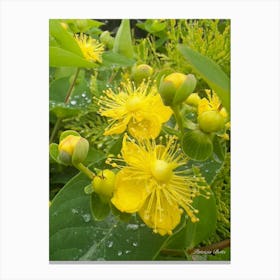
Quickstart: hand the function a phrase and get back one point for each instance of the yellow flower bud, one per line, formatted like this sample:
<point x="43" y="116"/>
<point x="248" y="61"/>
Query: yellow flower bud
<point x="141" y="72"/>
<point x="104" y="184"/>
<point x="73" y="149"/>
<point x="211" y="121"/>
<point x="193" y="99"/>
<point x="176" y="87"/>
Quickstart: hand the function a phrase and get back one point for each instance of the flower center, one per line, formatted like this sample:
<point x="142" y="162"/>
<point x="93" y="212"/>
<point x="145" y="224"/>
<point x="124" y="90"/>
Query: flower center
<point x="133" y="103"/>
<point x="161" y="170"/>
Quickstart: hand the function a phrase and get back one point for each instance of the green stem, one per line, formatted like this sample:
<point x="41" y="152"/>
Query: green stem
<point x="55" y="129"/>
<point x="178" y="117"/>
<point x="67" y="98"/>
<point x="85" y="170"/>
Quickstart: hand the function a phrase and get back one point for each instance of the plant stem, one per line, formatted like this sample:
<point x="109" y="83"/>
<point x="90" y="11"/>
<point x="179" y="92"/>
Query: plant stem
<point x="178" y="117"/>
<point x="55" y="129"/>
<point x="67" y="98"/>
<point x="85" y="170"/>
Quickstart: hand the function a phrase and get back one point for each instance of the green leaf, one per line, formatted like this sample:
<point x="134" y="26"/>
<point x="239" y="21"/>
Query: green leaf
<point x="58" y="89"/>
<point x="197" y="232"/>
<point x="111" y="59"/>
<point x="62" y="110"/>
<point x="54" y="152"/>
<point x="210" y="72"/>
<point x="61" y="57"/>
<point x="64" y="38"/>
<point x="99" y="209"/>
<point x="74" y="235"/>
<point x="197" y="145"/>
<point x="123" y="42"/>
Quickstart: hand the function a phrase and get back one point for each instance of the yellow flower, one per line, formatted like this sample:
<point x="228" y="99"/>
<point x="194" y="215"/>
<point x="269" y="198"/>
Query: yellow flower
<point x="91" y="48"/>
<point x="211" y="115"/>
<point x="155" y="183"/>
<point x="138" y="109"/>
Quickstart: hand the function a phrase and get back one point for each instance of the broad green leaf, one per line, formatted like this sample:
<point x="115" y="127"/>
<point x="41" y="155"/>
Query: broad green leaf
<point x="197" y="145"/>
<point x="61" y="57"/>
<point x="197" y="232"/>
<point x="123" y="42"/>
<point x="74" y="235"/>
<point x="64" y="38"/>
<point x="58" y="89"/>
<point x="210" y="72"/>
<point x="111" y="59"/>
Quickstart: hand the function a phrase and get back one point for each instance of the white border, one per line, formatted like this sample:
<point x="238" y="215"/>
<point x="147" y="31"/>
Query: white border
<point x="24" y="138"/>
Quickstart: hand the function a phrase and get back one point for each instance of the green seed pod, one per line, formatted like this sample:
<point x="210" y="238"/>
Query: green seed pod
<point x="141" y="72"/>
<point x="211" y="121"/>
<point x="176" y="87"/>
<point x="107" y="39"/>
<point x="104" y="184"/>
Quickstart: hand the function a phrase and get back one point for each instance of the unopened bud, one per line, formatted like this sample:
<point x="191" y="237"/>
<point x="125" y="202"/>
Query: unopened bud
<point x="211" y="121"/>
<point x="107" y="39"/>
<point x="176" y="87"/>
<point x="73" y="149"/>
<point x="193" y="99"/>
<point x="141" y="72"/>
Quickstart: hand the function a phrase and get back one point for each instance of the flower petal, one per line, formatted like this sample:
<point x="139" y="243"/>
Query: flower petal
<point x="162" y="219"/>
<point x="130" y="192"/>
<point x="118" y="127"/>
<point x="148" y="127"/>
<point x="159" y="109"/>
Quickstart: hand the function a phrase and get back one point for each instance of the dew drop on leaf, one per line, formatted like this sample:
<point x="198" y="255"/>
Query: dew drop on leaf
<point x="86" y="217"/>
<point x="74" y="211"/>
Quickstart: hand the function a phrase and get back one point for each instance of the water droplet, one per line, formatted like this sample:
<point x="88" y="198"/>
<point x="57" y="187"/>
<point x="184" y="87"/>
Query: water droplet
<point x="135" y="244"/>
<point x="119" y="253"/>
<point x="132" y="226"/>
<point x="110" y="244"/>
<point x="84" y="94"/>
<point x="75" y="211"/>
<point x="206" y="170"/>
<point x="86" y="217"/>
<point x="73" y="102"/>
<point x="127" y="252"/>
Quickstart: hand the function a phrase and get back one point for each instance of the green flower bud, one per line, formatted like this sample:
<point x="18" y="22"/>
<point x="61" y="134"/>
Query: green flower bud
<point x="107" y="39"/>
<point x="176" y="87"/>
<point x="211" y="121"/>
<point x="104" y="184"/>
<point x="141" y="72"/>
<point x="73" y="149"/>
